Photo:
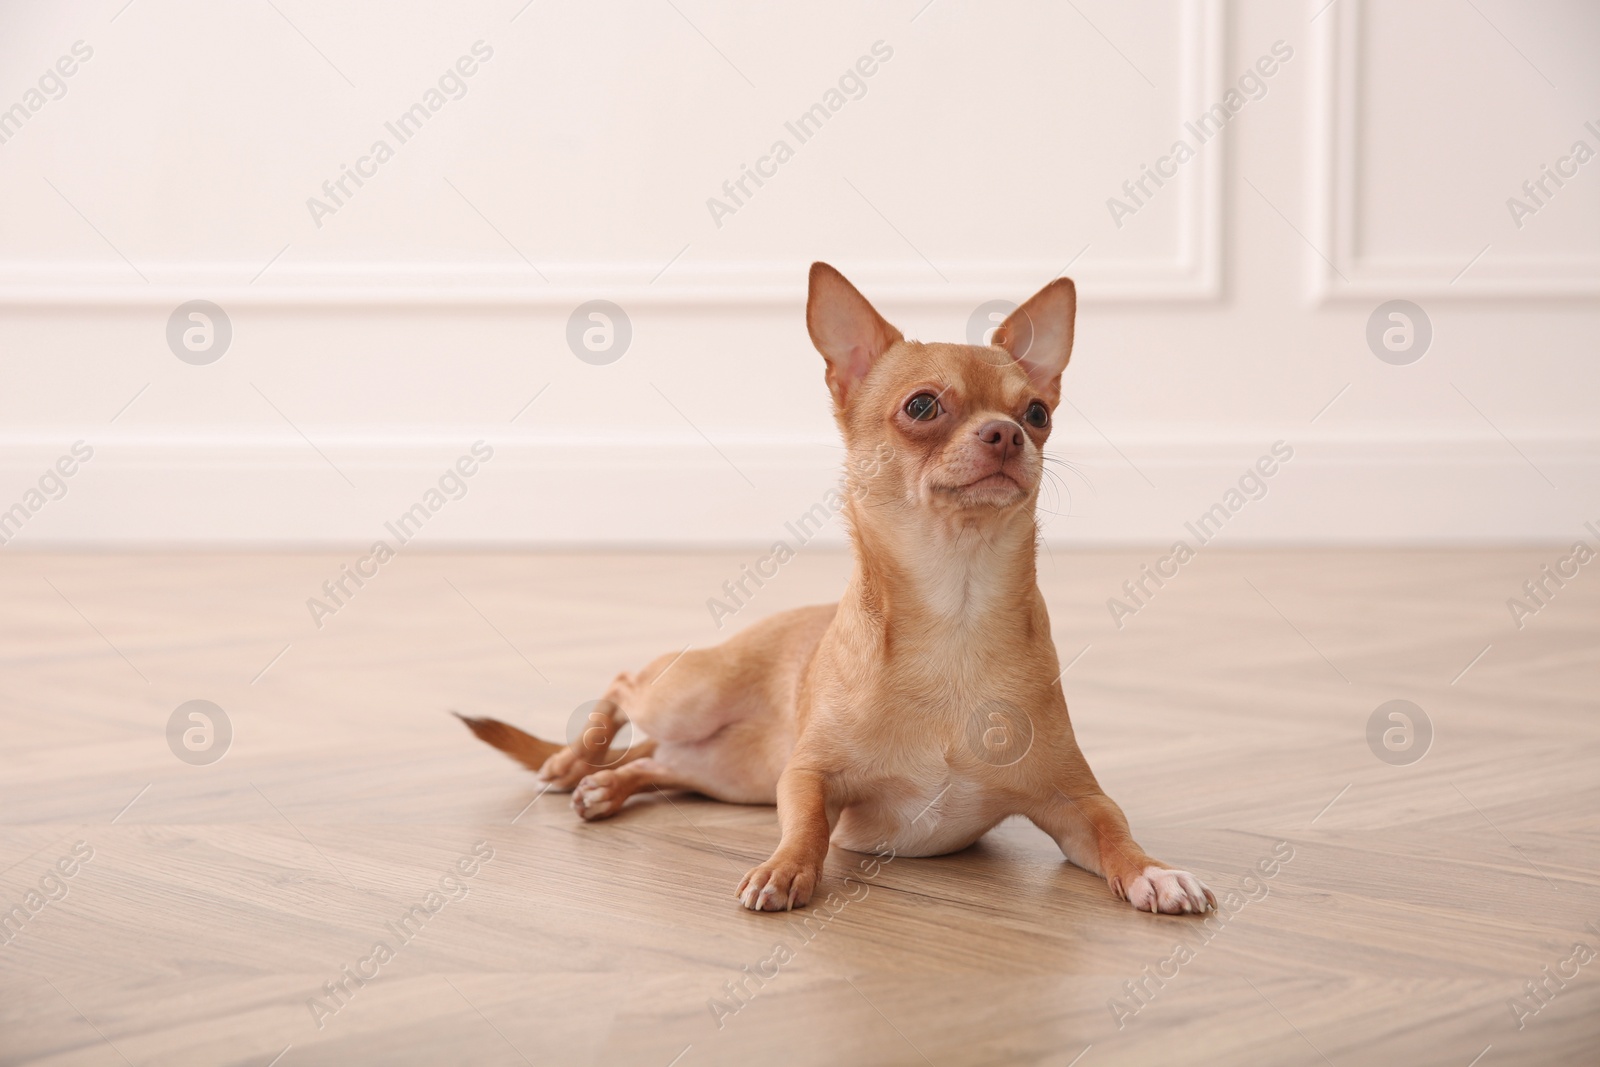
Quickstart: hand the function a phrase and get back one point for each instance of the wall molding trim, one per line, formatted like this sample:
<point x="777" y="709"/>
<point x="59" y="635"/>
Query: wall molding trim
<point x="1195" y="274"/>
<point x="1348" y="274"/>
<point x="701" y="286"/>
<point x="229" y="488"/>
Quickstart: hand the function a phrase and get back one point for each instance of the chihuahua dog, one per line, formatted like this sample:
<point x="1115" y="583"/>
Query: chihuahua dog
<point x="924" y="707"/>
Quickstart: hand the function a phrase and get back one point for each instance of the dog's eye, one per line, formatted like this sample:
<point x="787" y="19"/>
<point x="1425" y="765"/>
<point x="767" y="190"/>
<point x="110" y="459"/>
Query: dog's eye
<point x="923" y="406"/>
<point x="1037" y="415"/>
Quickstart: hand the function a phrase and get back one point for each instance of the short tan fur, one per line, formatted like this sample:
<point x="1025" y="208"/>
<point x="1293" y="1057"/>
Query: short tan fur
<point x="926" y="706"/>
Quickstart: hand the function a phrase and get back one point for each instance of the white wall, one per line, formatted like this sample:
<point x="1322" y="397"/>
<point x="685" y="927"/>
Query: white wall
<point x="371" y="346"/>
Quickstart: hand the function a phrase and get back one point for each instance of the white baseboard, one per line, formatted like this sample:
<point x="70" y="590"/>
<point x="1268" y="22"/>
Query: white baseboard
<point x="227" y="488"/>
<point x="445" y="286"/>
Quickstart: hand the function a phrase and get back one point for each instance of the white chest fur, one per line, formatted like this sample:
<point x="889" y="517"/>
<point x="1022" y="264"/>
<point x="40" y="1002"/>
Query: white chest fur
<point x="929" y="820"/>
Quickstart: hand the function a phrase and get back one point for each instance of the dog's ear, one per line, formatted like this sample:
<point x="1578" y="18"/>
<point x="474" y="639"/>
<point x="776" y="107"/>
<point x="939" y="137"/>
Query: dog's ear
<point x="1039" y="335"/>
<point x="847" y="330"/>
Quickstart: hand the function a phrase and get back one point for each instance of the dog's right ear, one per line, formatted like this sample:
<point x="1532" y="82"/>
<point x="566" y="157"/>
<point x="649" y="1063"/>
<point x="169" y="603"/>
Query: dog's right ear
<point x="846" y="329"/>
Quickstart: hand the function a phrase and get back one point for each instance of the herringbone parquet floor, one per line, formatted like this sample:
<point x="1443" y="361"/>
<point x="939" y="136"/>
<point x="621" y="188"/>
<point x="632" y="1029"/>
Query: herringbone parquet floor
<point x="233" y="911"/>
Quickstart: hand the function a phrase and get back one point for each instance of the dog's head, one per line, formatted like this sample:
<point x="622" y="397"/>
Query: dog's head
<point x="955" y="429"/>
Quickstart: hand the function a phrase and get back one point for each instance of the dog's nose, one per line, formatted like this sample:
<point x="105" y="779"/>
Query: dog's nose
<point x="1000" y="433"/>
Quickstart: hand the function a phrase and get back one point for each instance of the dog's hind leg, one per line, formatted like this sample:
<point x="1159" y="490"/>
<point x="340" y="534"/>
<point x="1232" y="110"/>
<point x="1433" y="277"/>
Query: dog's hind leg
<point x="559" y="765"/>
<point x="591" y="749"/>
<point x="601" y="793"/>
<point x="564" y="766"/>
<point x="722" y="717"/>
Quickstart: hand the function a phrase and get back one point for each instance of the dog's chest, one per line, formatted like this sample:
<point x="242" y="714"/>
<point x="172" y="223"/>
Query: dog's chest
<point x="922" y="816"/>
<point x="947" y="726"/>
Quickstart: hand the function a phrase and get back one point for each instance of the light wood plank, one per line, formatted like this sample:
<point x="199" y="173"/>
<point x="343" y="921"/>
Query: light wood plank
<point x="1225" y="717"/>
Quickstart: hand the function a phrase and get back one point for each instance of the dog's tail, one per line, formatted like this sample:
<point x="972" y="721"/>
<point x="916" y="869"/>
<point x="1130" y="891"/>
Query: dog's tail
<point x="518" y="744"/>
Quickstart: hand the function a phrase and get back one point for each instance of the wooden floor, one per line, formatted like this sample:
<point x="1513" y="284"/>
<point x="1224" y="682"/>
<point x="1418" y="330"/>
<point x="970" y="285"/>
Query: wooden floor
<point x="209" y="905"/>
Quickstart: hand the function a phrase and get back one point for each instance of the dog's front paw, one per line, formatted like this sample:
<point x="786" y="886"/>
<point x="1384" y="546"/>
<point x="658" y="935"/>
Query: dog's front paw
<point x="597" y="795"/>
<point x="1171" y="892"/>
<point x="778" y="885"/>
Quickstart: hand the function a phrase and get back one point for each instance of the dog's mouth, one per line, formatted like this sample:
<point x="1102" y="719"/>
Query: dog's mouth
<point x="995" y="487"/>
<point x="997" y="480"/>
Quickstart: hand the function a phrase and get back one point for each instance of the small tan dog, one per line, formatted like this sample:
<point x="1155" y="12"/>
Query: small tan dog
<point x="926" y="706"/>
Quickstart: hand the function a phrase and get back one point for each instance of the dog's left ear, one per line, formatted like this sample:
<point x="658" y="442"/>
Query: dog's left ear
<point x="1039" y="335"/>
